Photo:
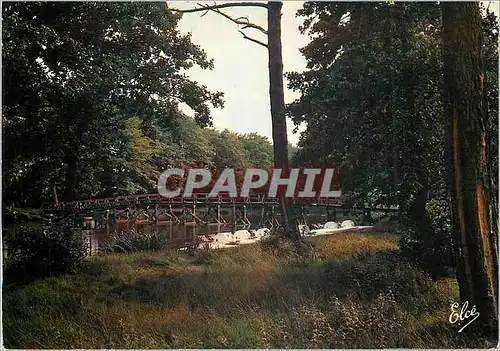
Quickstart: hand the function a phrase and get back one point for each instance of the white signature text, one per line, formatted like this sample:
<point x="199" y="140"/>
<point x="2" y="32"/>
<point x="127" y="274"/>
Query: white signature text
<point x="461" y="313"/>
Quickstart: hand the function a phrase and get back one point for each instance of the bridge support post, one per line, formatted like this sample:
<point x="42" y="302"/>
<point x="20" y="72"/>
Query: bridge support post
<point x="268" y="218"/>
<point x="101" y="219"/>
<point x="190" y="213"/>
<point x="169" y="213"/>
<point x="219" y="215"/>
<point x="302" y="218"/>
<point x="123" y="216"/>
<point x="106" y="217"/>
<point x="183" y="215"/>
<point x="239" y="215"/>
<point x="331" y="213"/>
<point x="213" y="215"/>
<point x="172" y="215"/>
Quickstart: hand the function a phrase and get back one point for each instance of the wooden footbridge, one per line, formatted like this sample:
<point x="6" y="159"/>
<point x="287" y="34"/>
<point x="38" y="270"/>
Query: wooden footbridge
<point x="199" y="209"/>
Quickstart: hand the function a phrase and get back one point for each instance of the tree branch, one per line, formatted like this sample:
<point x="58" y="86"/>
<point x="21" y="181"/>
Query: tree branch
<point x="252" y="39"/>
<point x="243" y="21"/>
<point x="227" y="4"/>
<point x="239" y="21"/>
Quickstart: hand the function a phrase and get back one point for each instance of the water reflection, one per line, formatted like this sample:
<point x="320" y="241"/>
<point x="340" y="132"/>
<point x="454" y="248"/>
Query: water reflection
<point x="179" y="235"/>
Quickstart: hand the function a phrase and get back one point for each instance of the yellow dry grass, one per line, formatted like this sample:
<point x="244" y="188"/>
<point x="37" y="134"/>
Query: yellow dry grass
<point x="344" y="245"/>
<point x="253" y="296"/>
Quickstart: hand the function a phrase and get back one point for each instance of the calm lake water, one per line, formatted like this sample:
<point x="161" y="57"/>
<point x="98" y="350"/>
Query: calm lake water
<point x="179" y="235"/>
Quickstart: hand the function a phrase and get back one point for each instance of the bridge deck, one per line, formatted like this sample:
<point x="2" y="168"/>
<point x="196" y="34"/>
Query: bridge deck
<point x="196" y="199"/>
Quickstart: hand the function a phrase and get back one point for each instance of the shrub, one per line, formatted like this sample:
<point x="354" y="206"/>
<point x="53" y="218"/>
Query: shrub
<point x="279" y="245"/>
<point x="368" y="274"/>
<point x="435" y="251"/>
<point x="135" y="241"/>
<point x="203" y="256"/>
<point x="289" y="251"/>
<point x="50" y="250"/>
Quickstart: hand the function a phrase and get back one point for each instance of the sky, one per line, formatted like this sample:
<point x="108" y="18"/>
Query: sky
<point x="241" y="66"/>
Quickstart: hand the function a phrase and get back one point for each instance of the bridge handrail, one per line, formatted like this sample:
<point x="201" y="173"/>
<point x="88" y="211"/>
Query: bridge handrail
<point x="196" y="198"/>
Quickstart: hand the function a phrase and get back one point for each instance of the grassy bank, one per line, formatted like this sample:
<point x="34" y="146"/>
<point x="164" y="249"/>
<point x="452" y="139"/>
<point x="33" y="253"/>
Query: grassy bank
<point x="348" y="291"/>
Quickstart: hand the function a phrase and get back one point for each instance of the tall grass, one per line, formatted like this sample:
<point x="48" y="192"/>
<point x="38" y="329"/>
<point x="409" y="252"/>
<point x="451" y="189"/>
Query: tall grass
<point x="269" y="295"/>
<point x="135" y="241"/>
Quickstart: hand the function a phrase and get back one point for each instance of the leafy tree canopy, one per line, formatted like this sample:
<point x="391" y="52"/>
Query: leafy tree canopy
<point x="73" y="75"/>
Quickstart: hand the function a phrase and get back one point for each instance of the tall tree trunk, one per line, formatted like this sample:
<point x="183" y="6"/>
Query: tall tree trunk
<point x="466" y="117"/>
<point x="277" y="97"/>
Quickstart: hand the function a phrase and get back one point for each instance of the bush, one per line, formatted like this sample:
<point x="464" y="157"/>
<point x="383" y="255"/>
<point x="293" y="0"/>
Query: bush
<point x="368" y="274"/>
<point x="203" y="256"/>
<point x="35" y="252"/>
<point x="135" y="241"/>
<point x="434" y="252"/>
<point x="288" y="250"/>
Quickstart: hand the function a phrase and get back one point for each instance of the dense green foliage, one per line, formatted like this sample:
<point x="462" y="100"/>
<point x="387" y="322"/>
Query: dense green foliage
<point x="73" y="78"/>
<point x="34" y="252"/>
<point x="91" y="96"/>
<point x="355" y="94"/>
<point x="372" y="100"/>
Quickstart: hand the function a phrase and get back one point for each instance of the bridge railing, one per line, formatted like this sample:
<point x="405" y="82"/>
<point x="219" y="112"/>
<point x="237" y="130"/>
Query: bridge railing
<point x="195" y="199"/>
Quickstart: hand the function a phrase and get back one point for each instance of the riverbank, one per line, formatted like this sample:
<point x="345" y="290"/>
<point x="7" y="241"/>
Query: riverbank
<point x="350" y="290"/>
